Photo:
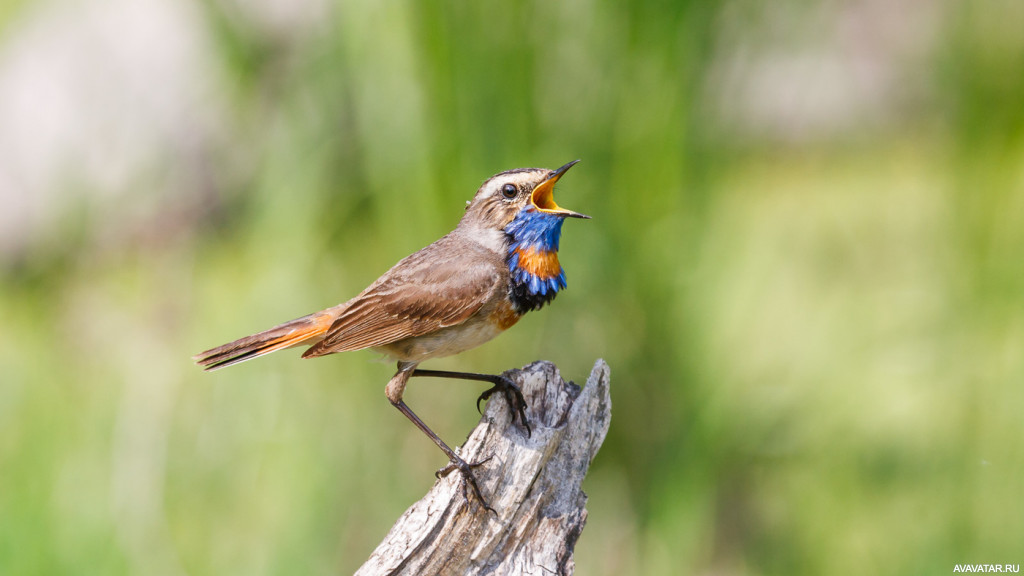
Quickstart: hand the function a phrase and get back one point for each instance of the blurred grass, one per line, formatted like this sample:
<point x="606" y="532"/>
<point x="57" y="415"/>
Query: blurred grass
<point x="815" y="347"/>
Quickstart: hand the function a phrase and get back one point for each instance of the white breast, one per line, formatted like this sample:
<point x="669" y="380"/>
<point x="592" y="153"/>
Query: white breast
<point x="444" y="342"/>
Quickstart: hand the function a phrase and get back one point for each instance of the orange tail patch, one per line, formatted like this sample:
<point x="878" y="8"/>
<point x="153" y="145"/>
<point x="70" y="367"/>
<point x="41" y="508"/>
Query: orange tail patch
<point x="305" y="330"/>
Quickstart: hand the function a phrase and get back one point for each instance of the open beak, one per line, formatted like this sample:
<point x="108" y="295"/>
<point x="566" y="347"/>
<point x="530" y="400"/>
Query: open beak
<point x="543" y="195"/>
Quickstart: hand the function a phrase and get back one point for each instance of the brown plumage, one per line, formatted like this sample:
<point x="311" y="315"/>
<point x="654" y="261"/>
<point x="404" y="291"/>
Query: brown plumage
<point x="454" y="294"/>
<point x="436" y="288"/>
<point x="305" y="330"/>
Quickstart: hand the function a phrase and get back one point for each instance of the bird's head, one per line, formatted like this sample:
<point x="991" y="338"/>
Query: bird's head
<point x="503" y="196"/>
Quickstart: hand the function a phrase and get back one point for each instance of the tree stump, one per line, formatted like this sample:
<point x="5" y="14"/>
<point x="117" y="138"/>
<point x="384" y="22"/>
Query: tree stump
<point x="531" y="482"/>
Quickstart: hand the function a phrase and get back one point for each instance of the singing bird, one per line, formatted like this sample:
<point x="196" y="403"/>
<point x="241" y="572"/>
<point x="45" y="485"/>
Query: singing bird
<point x="499" y="263"/>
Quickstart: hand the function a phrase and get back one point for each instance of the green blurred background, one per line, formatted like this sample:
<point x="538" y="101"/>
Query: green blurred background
<point x="804" y="269"/>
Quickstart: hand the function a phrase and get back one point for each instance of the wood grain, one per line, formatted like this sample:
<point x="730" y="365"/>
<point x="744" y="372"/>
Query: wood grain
<point x="533" y="484"/>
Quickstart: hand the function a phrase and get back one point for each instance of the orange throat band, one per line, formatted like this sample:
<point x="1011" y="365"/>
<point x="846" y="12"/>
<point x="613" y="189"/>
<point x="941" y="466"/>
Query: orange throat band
<point x="542" y="264"/>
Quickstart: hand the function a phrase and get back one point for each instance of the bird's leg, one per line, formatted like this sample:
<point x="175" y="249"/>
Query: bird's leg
<point x="394" y="391"/>
<point x="503" y="384"/>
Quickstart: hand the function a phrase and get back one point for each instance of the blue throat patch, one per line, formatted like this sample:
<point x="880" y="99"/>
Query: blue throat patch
<point x="536" y="275"/>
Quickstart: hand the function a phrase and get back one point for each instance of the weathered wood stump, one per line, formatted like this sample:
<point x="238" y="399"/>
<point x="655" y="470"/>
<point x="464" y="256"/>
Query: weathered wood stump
<point x="531" y="482"/>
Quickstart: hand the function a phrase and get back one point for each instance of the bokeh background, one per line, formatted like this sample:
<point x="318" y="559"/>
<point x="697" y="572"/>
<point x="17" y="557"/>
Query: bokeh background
<point x="804" y="269"/>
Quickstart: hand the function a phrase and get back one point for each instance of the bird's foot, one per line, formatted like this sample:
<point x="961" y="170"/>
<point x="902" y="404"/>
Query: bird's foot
<point x="513" y="396"/>
<point x="466" y="471"/>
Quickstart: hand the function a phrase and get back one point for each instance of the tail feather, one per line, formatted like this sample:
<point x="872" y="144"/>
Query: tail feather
<point x="306" y="330"/>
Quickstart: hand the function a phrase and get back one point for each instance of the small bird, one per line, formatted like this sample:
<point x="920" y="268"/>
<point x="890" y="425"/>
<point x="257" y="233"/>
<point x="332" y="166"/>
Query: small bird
<point x="499" y="263"/>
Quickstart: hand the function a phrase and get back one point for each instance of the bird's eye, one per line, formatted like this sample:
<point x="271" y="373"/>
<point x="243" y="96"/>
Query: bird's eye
<point x="509" y="191"/>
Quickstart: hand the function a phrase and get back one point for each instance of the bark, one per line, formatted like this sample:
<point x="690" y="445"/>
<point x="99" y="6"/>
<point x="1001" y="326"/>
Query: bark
<point x="531" y="482"/>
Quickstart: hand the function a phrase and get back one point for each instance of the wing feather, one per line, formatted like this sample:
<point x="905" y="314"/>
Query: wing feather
<point x="440" y="286"/>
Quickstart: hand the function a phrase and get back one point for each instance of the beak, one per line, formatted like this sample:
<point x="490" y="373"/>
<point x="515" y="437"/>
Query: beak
<point x="543" y="195"/>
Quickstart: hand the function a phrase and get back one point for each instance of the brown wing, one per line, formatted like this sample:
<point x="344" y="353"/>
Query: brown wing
<point x="442" y="285"/>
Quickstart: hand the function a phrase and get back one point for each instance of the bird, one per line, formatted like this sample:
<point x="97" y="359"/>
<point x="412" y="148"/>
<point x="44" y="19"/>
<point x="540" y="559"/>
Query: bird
<point x="500" y="262"/>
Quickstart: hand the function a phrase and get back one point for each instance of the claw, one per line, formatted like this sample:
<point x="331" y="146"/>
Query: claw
<point x="514" y="398"/>
<point x="484" y="398"/>
<point x="466" y="471"/>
